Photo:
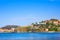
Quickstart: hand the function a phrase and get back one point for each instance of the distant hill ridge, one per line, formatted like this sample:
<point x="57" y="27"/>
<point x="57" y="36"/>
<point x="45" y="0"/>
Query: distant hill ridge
<point x="9" y="26"/>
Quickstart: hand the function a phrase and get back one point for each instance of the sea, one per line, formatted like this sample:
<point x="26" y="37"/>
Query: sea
<point x="30" y="36"/>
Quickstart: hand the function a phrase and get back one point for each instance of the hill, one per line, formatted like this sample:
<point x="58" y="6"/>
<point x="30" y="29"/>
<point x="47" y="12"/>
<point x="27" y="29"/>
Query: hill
<point x="9" y="26"/>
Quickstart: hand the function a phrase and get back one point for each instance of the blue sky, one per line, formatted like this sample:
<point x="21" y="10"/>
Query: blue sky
<point x="25" y="12"/>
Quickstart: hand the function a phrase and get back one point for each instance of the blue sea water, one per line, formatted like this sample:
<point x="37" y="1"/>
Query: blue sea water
<point x="30" y="36"/>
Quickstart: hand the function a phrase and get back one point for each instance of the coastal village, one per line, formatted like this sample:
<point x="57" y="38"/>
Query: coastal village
<point x="52" y="25"/>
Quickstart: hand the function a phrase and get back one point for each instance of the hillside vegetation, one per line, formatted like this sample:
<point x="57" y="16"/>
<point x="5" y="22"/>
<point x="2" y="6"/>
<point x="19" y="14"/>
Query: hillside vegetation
<point x="52" y="25"/>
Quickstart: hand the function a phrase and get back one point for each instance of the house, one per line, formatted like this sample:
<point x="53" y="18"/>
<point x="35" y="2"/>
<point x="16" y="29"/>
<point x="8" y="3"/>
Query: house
<point x="46" y="30"/>
<point x="1" y="30"/>
<point x="7" y="30"/>
<point x="56" y="22"/>
<point x="36" y="26"/>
